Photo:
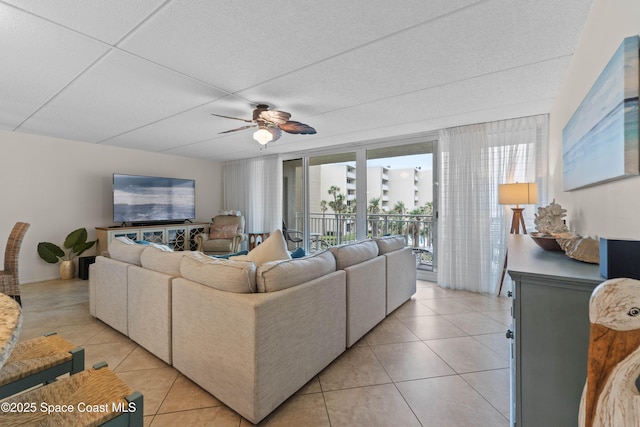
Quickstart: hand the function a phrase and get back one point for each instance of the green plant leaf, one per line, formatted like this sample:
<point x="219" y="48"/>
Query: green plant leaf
<point x="76" y="242"/>
<point x="50" y="252"/>
<point x="80" y="247"/>
<point x="75" y="237"/>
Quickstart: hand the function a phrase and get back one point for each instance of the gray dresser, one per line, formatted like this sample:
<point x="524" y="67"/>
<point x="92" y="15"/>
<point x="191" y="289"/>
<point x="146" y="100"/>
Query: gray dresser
<point x="550" y="333"/>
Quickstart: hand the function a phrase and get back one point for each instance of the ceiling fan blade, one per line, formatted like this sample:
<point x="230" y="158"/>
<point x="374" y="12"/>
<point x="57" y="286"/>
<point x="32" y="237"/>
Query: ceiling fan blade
<point x="273" y="116"/>
<point x="240" y="128"/>
<point x="297" y="127"/>
<point x="234" y="118"/>
<point x="275" y="131"/>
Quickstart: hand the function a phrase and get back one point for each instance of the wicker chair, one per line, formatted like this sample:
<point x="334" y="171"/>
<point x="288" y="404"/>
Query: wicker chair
<point x="97" y="396"/>
<point x="38" y="361"/>
<point x="9" y="283"/>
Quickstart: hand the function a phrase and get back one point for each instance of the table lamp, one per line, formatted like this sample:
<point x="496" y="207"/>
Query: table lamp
<point x="518" y="194"/>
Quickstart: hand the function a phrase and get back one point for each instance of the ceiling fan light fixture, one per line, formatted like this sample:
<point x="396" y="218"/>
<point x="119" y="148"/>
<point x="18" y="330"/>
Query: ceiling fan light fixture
<point x="263" y="136"/>
<point x="271" y="124"/>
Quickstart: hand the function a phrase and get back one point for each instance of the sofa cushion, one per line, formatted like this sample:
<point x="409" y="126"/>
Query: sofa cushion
<point x="222" y="274"/>
<point x="274" y="248"/>
<point x="126" y="250"/>
<point x="390" y="243"/>
<point x="226" y="231"/>
<point x="162" y="261"/>
<point x="277" y="275"/>
<point x="354" y="253"/>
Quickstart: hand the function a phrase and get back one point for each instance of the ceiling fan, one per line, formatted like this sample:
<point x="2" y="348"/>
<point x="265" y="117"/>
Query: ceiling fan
<point x="270" y="124"/>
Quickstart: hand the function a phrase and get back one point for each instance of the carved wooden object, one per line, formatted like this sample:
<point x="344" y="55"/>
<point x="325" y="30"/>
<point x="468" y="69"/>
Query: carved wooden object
<point x="610" y="396"/>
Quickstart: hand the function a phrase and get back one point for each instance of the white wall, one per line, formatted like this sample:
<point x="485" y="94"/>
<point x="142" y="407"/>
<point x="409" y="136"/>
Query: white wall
<point x="59" y="185"/>
<point x="611" y="209"/>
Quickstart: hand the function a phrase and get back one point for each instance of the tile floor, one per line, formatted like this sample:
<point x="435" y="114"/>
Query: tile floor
<point x="439" y="360"/>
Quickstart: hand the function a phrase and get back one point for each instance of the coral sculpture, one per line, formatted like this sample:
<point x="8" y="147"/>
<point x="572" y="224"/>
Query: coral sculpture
<point x="549" y="220"/>
<point x="553" y="234"/>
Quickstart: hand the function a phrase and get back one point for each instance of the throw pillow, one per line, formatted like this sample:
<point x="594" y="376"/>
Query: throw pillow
<point x="298" y="253"/>
<point x="274" y="248"/>
<point x="223" y="231"/>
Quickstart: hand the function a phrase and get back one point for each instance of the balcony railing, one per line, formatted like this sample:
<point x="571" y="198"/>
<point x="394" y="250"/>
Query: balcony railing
<point x="331" y="229"/>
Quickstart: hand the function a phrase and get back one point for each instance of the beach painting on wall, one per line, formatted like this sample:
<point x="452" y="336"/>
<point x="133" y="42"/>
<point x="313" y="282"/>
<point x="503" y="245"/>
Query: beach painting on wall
<point x="600" y="141"/>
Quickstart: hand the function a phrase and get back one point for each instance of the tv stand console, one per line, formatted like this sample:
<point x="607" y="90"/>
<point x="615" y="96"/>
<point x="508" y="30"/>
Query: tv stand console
<point x="180" y="237"/>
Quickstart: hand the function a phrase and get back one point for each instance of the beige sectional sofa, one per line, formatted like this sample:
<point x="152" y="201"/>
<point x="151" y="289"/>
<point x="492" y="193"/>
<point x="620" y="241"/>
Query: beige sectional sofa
<point x="264" y="345"/>
<point x="251" y="335"/>
<point x="366" y="286"/>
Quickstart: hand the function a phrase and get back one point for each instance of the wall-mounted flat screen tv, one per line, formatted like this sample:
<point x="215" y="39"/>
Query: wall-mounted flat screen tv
<point x="149" y="199"/>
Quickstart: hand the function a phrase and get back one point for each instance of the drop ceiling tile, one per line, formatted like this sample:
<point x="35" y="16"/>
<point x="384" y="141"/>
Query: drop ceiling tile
<point x="354" y="70"/>
<point x="106" y="20"/>
<point x="224" y="148"/>
<point x="191" y="126"/>
<point x="503" y="93"/>
<point x="38" y="60"/>
<point x="175" y="131"/>
<point x="119" y="94"/>
<point x="491" y="97"/>
<point x="239" y="46"/>
<point x="455" y="48"/>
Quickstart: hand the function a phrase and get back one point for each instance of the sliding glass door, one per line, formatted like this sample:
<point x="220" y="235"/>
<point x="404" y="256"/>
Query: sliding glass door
<point x="400" y="197"/>
<point x="332" y="200"/>
<point x="293" y="203"/>
<point x="338" y="198"/>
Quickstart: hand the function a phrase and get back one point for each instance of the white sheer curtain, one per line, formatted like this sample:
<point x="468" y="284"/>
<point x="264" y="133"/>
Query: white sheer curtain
<point x="472" y="227"/>
<point x="254" y="187"/>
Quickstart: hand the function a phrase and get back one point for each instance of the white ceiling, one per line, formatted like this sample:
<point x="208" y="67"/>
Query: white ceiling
<point x="146" y="74"/>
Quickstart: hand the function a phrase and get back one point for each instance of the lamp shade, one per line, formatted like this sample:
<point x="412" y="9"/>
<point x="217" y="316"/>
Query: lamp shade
<point x="518" y="193"/>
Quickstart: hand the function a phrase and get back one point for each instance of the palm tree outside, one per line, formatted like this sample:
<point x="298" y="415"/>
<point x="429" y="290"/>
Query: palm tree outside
<point x="374" y="208"/>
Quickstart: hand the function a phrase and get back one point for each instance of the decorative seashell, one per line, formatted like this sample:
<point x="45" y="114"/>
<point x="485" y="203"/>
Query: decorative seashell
<point x="583" y="249"/>
<point x="549" y="220"/>
<point x="565" y="235"/>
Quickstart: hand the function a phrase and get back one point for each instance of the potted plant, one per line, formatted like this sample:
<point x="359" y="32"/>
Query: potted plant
<point x="74" y="245"/>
